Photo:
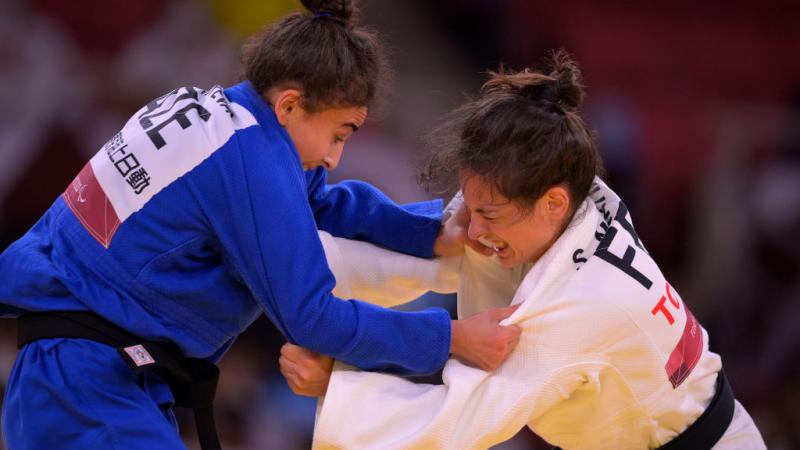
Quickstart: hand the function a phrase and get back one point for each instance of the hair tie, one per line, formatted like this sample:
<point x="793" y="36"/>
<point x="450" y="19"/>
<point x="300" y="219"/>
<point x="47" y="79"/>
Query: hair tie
<point x="322" y="14"/>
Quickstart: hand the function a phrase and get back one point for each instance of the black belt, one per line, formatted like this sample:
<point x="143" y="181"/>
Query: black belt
<point x="193" y="382"/>
<point x="707" y="430"/>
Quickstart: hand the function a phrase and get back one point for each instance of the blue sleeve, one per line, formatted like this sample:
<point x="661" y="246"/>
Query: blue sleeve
<point x="358" y="210"/>
<point x="255" y="198"/>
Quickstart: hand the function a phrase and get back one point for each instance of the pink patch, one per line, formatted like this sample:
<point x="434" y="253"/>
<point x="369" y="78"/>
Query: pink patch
<point x="686" y="353"/>
<point x="87" y="200"/>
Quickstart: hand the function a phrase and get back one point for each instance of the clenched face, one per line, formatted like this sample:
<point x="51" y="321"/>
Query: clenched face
<point x="518" y="235"/>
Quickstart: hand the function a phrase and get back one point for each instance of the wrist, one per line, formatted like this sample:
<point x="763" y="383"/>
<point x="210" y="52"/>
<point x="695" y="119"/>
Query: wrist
<point x="456" y="331"/>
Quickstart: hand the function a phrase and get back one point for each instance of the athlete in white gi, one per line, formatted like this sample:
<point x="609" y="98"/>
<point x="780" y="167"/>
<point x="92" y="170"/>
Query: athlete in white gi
<point x="604" y="362"/>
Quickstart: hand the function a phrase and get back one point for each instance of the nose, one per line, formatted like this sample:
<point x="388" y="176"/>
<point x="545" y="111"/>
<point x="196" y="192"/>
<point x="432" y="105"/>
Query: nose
<point x="333" y="158"/>
<point x="477" y="227"/>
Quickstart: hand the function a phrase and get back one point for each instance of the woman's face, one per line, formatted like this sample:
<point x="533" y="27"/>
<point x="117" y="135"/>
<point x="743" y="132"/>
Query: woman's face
<point x="320" y="137"/>
<point x="518" y="235"/>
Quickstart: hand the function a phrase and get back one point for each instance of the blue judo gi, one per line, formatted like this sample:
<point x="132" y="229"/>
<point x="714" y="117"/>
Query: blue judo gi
<point x="186" y="226"/>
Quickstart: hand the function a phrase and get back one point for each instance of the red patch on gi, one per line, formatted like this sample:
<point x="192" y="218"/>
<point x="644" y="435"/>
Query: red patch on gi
<point x="686" y="354"/>
<point x="87" y="200"/>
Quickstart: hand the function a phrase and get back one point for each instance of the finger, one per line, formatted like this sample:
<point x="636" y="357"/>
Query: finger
<point x="297" y="350"/>
<point x="510" y="333"/>
<point x="297" y="353"/>
<point x="289" y="349"/>
<point x="321" y="362"/>
<point x="502" y="313"/>
<point x="297" y="389"/>
<point x="287" y="366"/>
<point x="288" y="355"/>
<point x="283" y="365"/>
<point x="295" y="384"/>
<point x="307" y="367"/>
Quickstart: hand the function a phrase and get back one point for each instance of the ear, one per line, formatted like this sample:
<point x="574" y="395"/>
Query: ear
<point x="287" y="104"/>
<point x="556" y="203"/>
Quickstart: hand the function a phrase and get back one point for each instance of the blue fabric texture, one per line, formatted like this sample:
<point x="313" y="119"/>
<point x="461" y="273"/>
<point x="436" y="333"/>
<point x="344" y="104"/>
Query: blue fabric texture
<point x="78" y="394"/>
<point x="233" y="238"/>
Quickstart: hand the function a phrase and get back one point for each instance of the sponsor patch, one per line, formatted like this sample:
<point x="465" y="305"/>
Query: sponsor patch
<point x="139" y="355"/>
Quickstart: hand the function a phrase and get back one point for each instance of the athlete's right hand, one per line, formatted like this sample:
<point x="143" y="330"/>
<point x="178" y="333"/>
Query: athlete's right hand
<point x="481" y="341"/>
<point x="307" y="372"/>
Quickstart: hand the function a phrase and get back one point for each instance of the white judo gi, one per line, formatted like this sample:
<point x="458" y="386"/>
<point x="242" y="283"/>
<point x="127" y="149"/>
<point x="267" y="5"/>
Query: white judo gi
<point x="609" y="356"/>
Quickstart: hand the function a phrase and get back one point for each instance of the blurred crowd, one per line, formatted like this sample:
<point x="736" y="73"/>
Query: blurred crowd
<point x="696" y="106"/>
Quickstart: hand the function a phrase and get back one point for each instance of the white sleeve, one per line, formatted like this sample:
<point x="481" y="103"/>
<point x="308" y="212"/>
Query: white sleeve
<point x="376" y="275"/>
<point x="473" y="409"/>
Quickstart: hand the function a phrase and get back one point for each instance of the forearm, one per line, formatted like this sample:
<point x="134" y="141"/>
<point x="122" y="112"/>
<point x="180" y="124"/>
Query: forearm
<point x="375" y="338"/>
<point x="357" y="210"/>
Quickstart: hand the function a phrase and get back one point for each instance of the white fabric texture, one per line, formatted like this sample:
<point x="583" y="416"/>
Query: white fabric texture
<point x="592" y="370"/>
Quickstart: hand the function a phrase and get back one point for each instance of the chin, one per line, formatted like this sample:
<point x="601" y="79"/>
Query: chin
<point x="511" y="261"/>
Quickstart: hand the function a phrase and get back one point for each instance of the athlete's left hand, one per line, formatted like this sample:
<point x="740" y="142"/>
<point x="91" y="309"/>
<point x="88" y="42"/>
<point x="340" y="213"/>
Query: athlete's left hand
<point x="453" y="236"/>
<point x="307" y="372"/>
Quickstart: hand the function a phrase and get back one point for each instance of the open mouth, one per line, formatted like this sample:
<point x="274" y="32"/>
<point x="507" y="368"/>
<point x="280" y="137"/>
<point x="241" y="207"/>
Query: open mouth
<point x="500" y="248"/>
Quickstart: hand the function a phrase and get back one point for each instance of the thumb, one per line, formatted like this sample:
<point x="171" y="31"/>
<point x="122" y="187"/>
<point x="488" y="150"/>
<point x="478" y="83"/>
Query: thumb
<point x="294" y="352"/>
<point x="502" y="313"/>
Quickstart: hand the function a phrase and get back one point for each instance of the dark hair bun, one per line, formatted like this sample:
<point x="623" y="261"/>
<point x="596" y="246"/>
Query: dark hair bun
<point x="340" y="9"/>
<point x="562" y="87"/>
<point x="568" y="87"/>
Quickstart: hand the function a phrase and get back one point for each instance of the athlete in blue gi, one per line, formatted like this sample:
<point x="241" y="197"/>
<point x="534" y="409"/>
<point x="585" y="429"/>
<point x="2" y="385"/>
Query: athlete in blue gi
<point x="200" y="215"/>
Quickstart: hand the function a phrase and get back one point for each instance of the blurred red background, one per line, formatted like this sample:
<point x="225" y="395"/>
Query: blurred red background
<point x="696" y="106"/>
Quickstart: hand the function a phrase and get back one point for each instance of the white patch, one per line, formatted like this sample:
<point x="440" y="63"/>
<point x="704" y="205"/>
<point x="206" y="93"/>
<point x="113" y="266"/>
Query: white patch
<point x="139" y="355"/>
<point x="163" y="141"/>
